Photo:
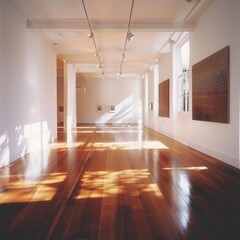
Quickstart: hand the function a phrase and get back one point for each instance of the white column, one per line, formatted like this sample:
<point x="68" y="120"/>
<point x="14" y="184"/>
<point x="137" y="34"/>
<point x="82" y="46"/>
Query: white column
<point x="69" y="97"/>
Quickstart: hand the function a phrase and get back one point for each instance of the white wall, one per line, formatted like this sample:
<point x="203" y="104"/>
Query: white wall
<point x="125" y="94"/>
<point x="1" y="89"/>
<point x="28" y="87"/>
<point x="69" y="97"/>
<point x="215" y="29"/>
<point x="151" y="97"/>
<point x="160" y="73"/>
<point x="146" y="99"/>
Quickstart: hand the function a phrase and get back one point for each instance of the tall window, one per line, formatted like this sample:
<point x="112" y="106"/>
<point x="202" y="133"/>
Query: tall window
<point x="183" y="70"/>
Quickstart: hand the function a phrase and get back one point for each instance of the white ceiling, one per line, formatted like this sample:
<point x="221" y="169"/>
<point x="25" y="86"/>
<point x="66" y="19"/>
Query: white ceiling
<point x="153" y="21"/>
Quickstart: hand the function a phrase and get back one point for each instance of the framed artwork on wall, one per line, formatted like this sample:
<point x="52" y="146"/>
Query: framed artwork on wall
<point x="151" y="106"/>
<point x="163" y="98"/>
<point x="112" y="108"/>
<point x="99" y="108"/>
<point x="210" y="88"/>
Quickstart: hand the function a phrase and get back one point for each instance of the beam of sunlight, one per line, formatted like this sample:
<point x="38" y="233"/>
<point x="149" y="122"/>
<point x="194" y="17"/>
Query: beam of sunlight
<point x="105" y="184"/>
<point x="118" y="126"/>
<point x="188" y="168"/>
<point x="153" y="187"/>
<point x="83" y="131"/>
<point x="43" y="193"/>
<point x="28" y="138"/>
<point x="54" y="178"/>
<point x="129" y="145"/>
<point x="123" y="113"/>
<point x="115" y="131"/>
<point x="86" y="127"/>
<point x="112" y="128"/>
<point x="35" y="135"/>
<point x="15" y="189"/>
<point x="4" y="150"/>
<point x="64" y="145"/>
<point x="45" y="131"/>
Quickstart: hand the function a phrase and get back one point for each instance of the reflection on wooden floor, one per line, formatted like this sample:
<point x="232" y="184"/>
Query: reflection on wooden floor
<point x="118" y="182"/>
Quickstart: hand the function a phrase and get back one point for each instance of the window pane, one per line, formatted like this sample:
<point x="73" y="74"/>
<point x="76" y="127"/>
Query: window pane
<point x="185" y="56"/>
<point x="183" y="86"/>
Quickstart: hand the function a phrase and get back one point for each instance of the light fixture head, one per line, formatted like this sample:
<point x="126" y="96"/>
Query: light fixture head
<point x="171" y="41"/>
<point x="91" y="34"/>
<point x="95" y="54"/>
<point x="99" y="66"/>
<point x="150" y="67"/>
<point x="130" y="35"/>
<point x="124" y="55"/>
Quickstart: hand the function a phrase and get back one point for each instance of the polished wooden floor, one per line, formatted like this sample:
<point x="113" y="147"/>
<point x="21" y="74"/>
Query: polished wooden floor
<point x="119" y="182"/>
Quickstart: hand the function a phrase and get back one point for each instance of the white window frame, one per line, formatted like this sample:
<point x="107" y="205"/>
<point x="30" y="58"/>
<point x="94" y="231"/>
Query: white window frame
<point x="183" y="79"/>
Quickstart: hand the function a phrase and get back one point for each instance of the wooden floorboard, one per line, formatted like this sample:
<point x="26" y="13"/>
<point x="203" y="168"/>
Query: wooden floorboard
<point x="119" y="182"/>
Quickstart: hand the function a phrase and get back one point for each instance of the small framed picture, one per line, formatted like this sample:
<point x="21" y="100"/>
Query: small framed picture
<point x="99" y="108"/>
<point x="151" y="106"/>
<point x="112" y="108"/>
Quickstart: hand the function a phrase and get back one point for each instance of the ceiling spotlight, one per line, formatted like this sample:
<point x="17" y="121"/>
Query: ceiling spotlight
<point x="171" y="41"/>
<point x="95" y="54"/>
<point x="99" y="66"/>
<point x="130" y="35"/>
<point x="91" y="34"/>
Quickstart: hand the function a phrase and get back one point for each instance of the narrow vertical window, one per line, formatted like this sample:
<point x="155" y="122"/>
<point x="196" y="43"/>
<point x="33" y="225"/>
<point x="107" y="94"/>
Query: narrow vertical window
<point x="183" y="70"/>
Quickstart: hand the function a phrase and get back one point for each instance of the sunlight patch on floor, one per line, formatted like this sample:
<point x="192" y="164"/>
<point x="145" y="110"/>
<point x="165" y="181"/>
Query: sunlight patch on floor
<point x="65" y="145"/>
<point x="83" y="131"/>
<point x="187" y="168"/>
<point x="102" y="184"/>
<point x="15" y="189"/>
<point x="118" y="131"/>
<point x="129" y="145"/>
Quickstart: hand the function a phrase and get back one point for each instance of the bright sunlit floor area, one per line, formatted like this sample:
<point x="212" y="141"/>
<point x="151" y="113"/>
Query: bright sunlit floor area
<point x="118" y="181"/>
